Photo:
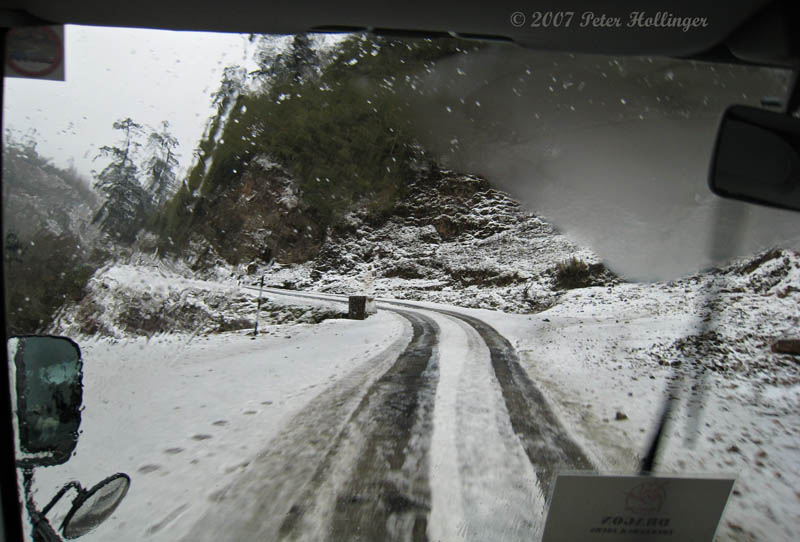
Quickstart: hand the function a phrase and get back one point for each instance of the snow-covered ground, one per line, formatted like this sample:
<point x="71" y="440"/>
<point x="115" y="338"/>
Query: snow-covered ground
<point x="154" y="297"/>
<point x="748" y="430"/>
<point x="610" y="350"/>
<point x="185" y="414"/>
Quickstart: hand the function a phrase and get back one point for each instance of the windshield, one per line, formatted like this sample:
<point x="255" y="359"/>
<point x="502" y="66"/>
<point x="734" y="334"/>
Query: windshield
<point x="331" y="286"/>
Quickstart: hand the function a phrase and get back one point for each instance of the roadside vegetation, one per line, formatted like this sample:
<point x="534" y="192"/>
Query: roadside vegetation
<point x="46" y="263"/>
<point x="337" y="121"/>
<point x="47" y="271"/>
<point x="576" y="273"/>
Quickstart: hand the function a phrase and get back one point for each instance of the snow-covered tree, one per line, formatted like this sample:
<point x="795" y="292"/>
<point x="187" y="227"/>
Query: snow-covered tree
<point x="302" y="59"/>
<point x="298" y="63"/>
<point x="127" y="202"/>
<point x="231" y="85"/>
<point x="161" y="164"/>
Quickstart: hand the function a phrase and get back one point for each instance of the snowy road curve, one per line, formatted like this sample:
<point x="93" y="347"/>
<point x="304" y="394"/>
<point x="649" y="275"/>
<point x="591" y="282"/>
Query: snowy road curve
<point x="443" y="436"/>
<point x="543" y="437"/>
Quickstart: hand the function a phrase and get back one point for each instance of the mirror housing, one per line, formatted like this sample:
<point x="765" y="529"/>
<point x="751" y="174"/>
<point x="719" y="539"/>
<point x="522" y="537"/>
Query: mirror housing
<point x="48" y="386"/>
<point x="93" y="506"/>
<point x="757" y="158"/>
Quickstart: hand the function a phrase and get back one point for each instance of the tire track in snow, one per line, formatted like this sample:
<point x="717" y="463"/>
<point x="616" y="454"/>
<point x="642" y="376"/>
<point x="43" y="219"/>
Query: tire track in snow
<point x="373" y="484"/>
<point x="545" y="441"/>
<point x="484" y="486"/>
<point x="253" y="506"/>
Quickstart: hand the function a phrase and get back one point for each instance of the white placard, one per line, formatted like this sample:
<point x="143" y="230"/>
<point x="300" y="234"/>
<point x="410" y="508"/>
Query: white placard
<point x="627" y="508"/>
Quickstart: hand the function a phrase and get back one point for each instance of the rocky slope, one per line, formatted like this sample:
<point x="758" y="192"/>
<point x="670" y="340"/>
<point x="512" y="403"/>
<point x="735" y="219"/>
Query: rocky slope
<point x="258" y="217"/>
<point x="453" y="239"/>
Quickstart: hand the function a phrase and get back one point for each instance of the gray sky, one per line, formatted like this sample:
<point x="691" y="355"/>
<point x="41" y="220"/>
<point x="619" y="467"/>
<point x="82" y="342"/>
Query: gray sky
<point x="148" y="75"/>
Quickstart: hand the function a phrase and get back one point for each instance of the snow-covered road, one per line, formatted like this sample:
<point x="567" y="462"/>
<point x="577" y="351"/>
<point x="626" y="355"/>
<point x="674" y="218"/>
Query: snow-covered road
<point x="297" y="434"/>
<point x="452" y="442"/>
<point x="414" y="424"/>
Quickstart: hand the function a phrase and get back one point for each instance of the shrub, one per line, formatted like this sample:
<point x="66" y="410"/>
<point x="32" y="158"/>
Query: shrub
<point x="573" y="273"/>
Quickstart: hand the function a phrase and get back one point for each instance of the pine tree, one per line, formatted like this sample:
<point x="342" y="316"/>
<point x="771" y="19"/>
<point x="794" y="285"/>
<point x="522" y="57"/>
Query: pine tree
<point x="298" y="64"/>
<point x="231" y="85"/>
<point x="161" y="164"/>
<point x="302" y="59"/>
<point x="127" y="202"/>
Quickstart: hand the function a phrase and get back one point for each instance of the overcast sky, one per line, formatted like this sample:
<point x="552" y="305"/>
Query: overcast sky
<point x="148" y="75"/>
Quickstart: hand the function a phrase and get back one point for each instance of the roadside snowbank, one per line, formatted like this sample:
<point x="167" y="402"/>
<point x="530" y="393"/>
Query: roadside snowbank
<point x="126" y="300"/>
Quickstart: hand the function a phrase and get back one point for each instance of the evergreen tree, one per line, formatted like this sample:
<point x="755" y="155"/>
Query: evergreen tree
<point x="298" y="64"/>
<point x="161" y="164"/>
<point x="302" y="60"/>
<point x="231" y="85"/>
<point x="127" y="202"/>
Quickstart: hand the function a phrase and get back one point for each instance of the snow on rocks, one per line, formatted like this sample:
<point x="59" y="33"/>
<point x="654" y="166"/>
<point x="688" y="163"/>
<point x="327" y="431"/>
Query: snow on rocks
<point x="453" y="239"/>
<point x="126" y="300"/>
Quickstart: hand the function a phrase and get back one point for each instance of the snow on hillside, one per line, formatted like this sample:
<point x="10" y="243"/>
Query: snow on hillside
<point x="453" y="239"/>
<point x="38" y="197"/>
<point x="161" y="298"/>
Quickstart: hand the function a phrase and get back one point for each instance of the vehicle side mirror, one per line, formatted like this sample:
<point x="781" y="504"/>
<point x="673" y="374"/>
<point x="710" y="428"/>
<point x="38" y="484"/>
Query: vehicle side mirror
<point x="93" y="506"/>
<point x="757" y="158"/>
<point x="48" y="375"/>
